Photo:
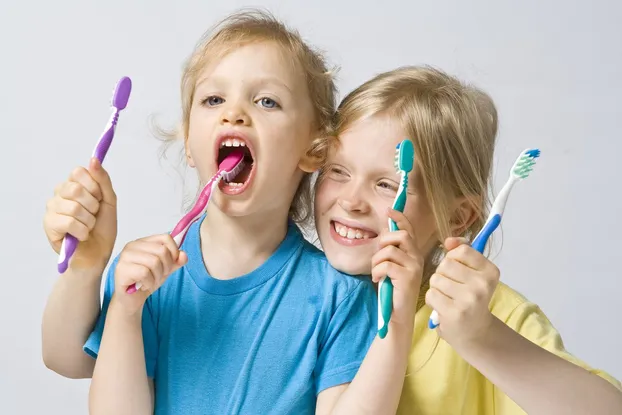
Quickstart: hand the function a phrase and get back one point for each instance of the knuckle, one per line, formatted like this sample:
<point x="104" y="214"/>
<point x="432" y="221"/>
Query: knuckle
<point x="162" y="251"/>
<point x="435" y="280"/>
<point x="470" y="299"/>
<point x="74" y="189"/>
<point x="154" y="262"/>
<point x="77" y="173"/>
<point x="74" y="209"/>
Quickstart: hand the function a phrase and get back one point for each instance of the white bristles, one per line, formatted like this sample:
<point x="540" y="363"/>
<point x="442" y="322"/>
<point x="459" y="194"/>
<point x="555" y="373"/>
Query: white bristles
<point x="230" y="175"/>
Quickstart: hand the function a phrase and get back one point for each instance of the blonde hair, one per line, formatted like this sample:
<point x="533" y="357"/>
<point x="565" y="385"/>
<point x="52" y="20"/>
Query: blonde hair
<point x="453" y="127"/>
<point x="249" y="26"/>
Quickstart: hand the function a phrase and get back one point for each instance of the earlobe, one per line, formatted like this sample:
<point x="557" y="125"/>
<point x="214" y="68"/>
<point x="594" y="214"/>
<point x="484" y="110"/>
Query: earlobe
<point x="189" y="159"/>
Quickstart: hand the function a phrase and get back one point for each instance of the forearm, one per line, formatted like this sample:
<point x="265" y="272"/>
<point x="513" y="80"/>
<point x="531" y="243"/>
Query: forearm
<point x="537" y="380"/>
<point x="377" y="387"/>
<point x="68" y="319"/>
<point x="120" y="384"/>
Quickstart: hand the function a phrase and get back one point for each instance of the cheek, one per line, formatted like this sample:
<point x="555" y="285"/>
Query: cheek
<point x="326" y="194"/>
<point x="422" y="220"/>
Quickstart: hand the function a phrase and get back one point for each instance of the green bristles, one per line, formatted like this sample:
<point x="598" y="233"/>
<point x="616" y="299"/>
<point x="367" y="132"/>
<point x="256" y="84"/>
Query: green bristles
<point x="525" y="162"/>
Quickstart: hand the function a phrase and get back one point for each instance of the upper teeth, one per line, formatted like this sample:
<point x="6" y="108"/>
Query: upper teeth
<point x="351" y="233"/>
<point x="232" y="142"/>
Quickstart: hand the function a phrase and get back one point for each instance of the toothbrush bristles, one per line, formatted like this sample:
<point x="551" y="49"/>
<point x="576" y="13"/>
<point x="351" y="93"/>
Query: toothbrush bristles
<point x="524" y="165"/>
<point x="230" y="175"/>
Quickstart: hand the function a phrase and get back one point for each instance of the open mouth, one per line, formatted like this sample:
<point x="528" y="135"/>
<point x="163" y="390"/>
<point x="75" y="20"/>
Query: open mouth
<point x="238" y="183"/>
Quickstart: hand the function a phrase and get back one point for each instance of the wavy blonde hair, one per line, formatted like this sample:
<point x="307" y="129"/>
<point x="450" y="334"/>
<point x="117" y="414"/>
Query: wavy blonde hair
<point x="453" y="127"/>
<point x="249" y="26"/>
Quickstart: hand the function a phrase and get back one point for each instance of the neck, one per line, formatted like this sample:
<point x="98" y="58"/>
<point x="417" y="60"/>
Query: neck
<point x="235" y="246"/>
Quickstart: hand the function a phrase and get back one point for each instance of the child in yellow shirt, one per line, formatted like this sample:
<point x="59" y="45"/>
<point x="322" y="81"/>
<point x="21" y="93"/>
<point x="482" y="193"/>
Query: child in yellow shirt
<point x="494" y="351"/>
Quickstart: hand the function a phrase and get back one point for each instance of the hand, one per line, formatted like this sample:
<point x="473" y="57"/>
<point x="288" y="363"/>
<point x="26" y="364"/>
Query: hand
<point x="400" y="260"/>
<point x="148" y="261"/>
<point x="86" y="207"/>
<point x="460" y="291"/>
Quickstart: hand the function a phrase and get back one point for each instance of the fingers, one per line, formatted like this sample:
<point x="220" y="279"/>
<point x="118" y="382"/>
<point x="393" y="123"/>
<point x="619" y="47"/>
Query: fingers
<point x="454" y="242"/>
<point x="149" y="261"/>
<point x="80" y="192"/>
<point x="446" y="286"/>
<point x="74" y="210"/>
<point x="57" y="226"/>
<point x="438" y="301"/>
<point x="401" y="239"/>
<point x="462" y="252"/>
<point x="456" y="271"/>
<point x="385" y="269"/>
<point x="402" y="223"/>
<point x="167" y="241"/>
<point x="100" y="175"/>
<point x="83" y="177"/>
<point x="392" y="254"/>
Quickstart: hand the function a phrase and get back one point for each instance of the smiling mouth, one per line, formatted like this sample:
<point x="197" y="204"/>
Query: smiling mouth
<point x="351" y="233"/>
<point x="241" y="180"/>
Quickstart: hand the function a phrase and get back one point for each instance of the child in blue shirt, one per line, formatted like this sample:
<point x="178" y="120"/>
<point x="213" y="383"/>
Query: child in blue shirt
<point x="246" y="316"/>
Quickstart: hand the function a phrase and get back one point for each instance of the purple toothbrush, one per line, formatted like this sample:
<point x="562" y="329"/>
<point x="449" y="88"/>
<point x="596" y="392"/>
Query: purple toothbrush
<point x="119" y="100"/>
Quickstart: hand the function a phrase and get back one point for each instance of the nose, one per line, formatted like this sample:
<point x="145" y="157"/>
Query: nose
<point x="353" y="200"/>
<point x="235" y="115"/>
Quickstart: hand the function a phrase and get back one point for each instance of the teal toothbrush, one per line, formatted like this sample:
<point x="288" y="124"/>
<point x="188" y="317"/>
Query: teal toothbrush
<point x="404" y="163"/>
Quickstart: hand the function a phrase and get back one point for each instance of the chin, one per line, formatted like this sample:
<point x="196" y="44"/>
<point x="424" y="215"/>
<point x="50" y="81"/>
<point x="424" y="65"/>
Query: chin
<point x="349" y="262"/>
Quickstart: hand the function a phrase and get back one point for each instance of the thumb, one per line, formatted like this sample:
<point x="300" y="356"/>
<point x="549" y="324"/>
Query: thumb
<point x="454" y="242"/>
<point x="103" y="179"/>
<point x="182" y="259"/>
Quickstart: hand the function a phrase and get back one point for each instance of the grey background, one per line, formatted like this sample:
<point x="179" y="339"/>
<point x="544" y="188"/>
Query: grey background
<point x="553" y="68"/>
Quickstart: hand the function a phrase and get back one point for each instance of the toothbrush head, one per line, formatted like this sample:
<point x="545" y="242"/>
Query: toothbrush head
<point x="404" y="156"/>
<point x="524" y="163"/>
<point x="232" y="165"/>
<point x="122" y="93"/>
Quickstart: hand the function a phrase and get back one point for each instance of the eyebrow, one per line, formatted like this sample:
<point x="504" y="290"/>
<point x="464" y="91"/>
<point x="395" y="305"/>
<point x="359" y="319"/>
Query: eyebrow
<point x="263" y="80"/>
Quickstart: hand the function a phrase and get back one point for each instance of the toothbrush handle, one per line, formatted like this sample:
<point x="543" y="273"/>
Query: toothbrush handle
<point x="67" y="248"/>
<point x="482" y="238"/>
<point x="179" y="232"/>
<point x="478" y="244"/>
<point x="385" y="297"/>
<point x="70" y="242"/>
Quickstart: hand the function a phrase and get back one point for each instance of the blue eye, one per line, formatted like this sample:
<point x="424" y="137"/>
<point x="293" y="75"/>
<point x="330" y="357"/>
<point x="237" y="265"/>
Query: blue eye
<point x="213" y="100"/>
<point x="268" y="103"/>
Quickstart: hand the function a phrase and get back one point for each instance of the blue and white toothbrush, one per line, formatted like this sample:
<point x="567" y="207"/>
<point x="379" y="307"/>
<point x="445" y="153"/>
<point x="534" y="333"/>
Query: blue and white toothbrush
<point x="520" y="170"/>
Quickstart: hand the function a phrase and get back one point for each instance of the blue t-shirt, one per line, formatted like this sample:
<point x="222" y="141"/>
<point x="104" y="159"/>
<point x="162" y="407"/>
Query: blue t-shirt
<point x="266" y="342"/>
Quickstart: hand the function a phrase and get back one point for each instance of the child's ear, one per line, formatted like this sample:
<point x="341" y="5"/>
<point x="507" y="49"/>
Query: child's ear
<point x="313" y="157"/>
<point x="188" y="155"/>
<point x="464" y="214"/>
<point x="308" y="163"/>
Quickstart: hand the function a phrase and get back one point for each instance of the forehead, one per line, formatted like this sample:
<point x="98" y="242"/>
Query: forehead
<point x="372" y="139"/>
<point x="254" y="60"/>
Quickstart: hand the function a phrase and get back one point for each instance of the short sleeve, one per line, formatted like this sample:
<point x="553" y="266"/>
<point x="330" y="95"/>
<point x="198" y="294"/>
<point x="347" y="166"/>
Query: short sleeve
<point x="529" y="321"/>
<point x="150" y="339"/>
<point x="350" y="333"/>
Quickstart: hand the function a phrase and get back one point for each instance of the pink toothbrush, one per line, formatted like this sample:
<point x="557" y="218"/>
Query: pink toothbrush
<point x="230" y="167"/>
<point x="119" y="101"/>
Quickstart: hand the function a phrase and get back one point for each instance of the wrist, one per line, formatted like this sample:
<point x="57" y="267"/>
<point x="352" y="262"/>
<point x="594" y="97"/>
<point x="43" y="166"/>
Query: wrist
<point x="117" y="310"/>
<point x="484" y="340"/>
<point x="84" y="276"/>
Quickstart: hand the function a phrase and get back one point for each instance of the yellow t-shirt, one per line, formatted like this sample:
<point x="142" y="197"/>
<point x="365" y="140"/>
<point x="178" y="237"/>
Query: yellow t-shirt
<point x="438" y="381"/>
